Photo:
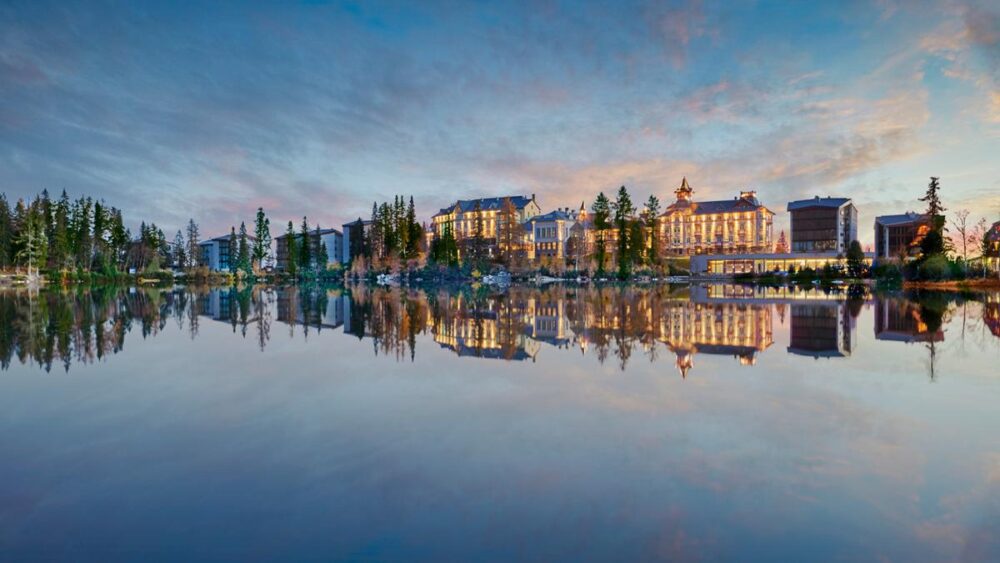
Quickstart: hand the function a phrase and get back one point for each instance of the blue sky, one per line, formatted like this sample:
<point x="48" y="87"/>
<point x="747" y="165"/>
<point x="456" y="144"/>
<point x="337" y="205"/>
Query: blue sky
<point x="175" y="110"/>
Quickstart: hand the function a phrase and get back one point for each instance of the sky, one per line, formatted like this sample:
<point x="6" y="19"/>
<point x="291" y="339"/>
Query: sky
<point x="177" y="110"/>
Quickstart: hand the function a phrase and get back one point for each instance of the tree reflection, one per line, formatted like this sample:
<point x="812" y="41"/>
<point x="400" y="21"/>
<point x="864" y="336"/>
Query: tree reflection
<point x="609" y="323"/>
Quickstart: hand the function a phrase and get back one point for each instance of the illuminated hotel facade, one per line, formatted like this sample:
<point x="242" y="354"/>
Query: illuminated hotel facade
<point x="739" y="225"/>
<point x="461" y="217"/>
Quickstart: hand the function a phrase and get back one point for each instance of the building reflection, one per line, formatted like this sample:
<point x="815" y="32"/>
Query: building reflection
<point x="901" y="320"/>
<point x="609" y="323"/>
<point x="821" y="330"/>
<point x="991" y="314"/>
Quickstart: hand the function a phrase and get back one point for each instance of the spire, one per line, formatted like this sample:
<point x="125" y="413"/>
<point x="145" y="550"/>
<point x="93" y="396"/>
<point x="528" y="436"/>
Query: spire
<point x="684" y="192"/>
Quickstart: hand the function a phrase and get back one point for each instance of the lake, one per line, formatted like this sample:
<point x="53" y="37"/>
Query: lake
<point x="666" y="422"/>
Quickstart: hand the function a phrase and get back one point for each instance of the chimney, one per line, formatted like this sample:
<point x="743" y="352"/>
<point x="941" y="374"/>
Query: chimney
<point x="532" y="197"/>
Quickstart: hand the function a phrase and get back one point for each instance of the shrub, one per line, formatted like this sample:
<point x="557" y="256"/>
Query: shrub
<point x="934" y="268"/>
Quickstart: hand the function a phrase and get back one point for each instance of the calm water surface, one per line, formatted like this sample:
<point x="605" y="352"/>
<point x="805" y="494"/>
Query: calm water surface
<point x="562" y="423"/>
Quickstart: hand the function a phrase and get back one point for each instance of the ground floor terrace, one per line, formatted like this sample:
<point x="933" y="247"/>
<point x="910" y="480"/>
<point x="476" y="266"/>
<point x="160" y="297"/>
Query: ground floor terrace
<point x="761" y="263"/>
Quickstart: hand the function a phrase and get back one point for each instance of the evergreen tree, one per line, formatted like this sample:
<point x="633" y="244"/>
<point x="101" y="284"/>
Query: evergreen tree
<point x="478" y="254"/>
<point x="305" y="250"/>
<point x="262" y="242"/>
<point x="321" y="252"/>
<point x="18" y="220"/>
<point x="243" y="259"/>
<point x="180" y="256"/>
<point x="855" y="260"/>
<point x="650" y="215"/>
<point x="32" y="242"/>
<point x="292" y="253"/>
<point x="120" y="238"/>
<point x="234" y="249"/>
<point x="602" y="213"/>
<point x="413" y="231"/>
<point x="623" y="209"/>
<point x="100" y="229"/>
<point x="6" y="233"/>
<point x="193" y="249"/>
<point x="933" y="200"/>
<point x="509" y="232"/>
<point x="59" y="253"/>
<point x="376" y="238"/>
<point x="82" y="241"/>
<point x="46" y="210"/>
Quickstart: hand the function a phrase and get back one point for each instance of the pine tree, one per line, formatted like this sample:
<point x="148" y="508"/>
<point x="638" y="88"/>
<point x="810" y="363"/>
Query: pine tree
<point x="243" y="260"/>
<point x="478" y="253"/>
<point x="321" y="252"/>
<point x="32" y="242"/>
<point x="6" y="233"/>
<point x="855" y="259"/>
<point x="509" y="232"/>
<point x="602" y="214"/>
<point x="234" y="249"/>
<point x="291" y="251"/>
<point x="59" y="252"/>
<point x="623" y="209"/>
<point x="262" y="242"/>
<point x="193" y="248"/>
<point x="120" y="238"/>
<point x="305" y="250"/>
<point x="415" y="233"/>
<point x="180" y="256"/>
<point x="650" y="215"/>
<point x="933" y="200"/>
<point x="18" y="220"/>
<point x="83" y="242"/>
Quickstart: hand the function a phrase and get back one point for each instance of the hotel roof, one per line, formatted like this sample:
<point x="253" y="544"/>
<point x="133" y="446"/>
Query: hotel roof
<point x="711" y="207"/>
<point x="817" y="201"/>
<point x="486" y="204"/>
<point x="903" y="219"/>
<point x="556" y="215"/>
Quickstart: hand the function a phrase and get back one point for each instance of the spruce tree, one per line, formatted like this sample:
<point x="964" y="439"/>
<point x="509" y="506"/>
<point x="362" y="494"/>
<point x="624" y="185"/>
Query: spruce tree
<point x="193" y="248"/>
<point x="650" y="215"/>
<point x="32" y="242"/>
<point x="601" y="210"/>
<point x="6" y="234"/>
<point x="262" y="234"/>
<point x="623" y="212"/>
<point x="291" y="251"/>
<point x="321" y="252"/>
<point x="234" y="249"/>
<point x="243" y="252"/>
<point x="305" y="250"/>
<point x="180" y="256"/>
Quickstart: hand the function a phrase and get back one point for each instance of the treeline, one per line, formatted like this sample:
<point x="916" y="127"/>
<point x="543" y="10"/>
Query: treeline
<point x="306" y="252"/>
<point x="394" y="236"/>
<point x="83" y="234"/>
<point x="625" y="237"/>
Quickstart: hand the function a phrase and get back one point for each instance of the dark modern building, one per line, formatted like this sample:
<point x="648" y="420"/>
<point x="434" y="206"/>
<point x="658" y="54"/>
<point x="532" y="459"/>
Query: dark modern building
<point x="899" y="235"/>
<point x="823" y="224"/>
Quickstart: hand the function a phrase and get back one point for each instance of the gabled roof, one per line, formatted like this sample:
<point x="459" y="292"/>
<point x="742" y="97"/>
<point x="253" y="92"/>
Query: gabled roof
<point x="833" y="202"/>
<point x="557" y="215"/>
<point x="902" y="219"/>
<point x="486" y="204"/>
<point x="357" y="222"/>
<point x="711" y="207"/>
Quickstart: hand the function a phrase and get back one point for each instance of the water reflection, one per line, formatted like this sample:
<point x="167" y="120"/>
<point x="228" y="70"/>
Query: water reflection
<point x="607" y="323"/>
